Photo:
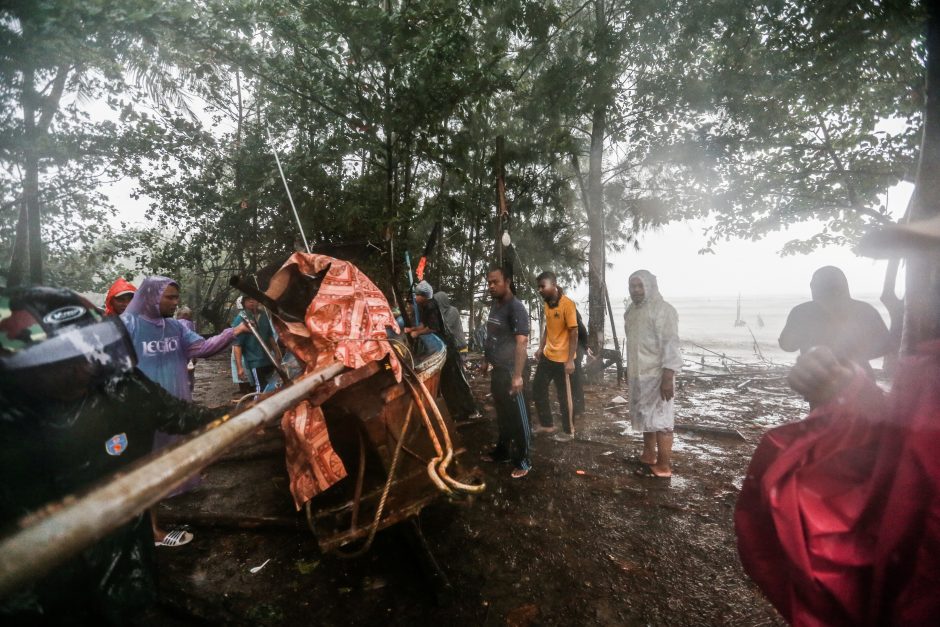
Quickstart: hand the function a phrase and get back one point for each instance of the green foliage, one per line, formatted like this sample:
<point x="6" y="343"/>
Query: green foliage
<point x="385" y="118"/>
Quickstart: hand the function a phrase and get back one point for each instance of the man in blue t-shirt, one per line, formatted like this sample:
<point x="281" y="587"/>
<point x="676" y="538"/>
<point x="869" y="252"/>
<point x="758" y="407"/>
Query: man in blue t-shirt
<point x="507" y="339"/>
<point x="249" y="354"/>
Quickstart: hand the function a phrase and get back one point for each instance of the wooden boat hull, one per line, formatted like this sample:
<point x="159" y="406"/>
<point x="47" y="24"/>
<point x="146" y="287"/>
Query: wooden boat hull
<point x="365" y="410"/>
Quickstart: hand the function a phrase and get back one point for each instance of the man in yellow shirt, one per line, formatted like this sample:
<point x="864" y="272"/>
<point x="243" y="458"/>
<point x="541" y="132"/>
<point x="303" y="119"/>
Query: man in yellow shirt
<point x="556" y="354"/>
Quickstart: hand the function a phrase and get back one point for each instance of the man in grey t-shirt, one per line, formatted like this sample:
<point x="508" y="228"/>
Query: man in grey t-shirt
<point x="507" y="337"/>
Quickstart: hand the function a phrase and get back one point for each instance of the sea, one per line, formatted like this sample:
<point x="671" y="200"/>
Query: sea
<point x="707" y="325"/>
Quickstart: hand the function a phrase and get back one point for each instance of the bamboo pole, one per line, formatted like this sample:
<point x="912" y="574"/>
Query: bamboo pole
<point x="35" y="551"/>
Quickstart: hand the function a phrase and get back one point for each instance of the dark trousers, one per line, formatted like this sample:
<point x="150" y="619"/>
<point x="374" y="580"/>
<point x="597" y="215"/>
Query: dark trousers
<point x="257" y="379"/>
<point x="455" y="389"/>
<point x="546" y="372"/>
<point x="512" y="419"/>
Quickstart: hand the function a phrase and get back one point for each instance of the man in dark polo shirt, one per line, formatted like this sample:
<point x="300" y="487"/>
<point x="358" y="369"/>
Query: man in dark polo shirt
<point x="507" y="338"/>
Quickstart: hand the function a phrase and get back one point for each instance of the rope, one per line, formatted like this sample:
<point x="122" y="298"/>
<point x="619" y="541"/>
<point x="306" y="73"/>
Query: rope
<point x="442" y="469"/>
<point x="245" y="397"/>
<point x="432" y="465"/>
<point x="385" y="491"/>
<point x="287" y="189"/>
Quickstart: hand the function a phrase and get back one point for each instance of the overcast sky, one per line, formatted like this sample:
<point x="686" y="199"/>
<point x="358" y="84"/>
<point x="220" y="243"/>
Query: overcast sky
<point x="751" y="268"/>
<point x="671" y="253"/>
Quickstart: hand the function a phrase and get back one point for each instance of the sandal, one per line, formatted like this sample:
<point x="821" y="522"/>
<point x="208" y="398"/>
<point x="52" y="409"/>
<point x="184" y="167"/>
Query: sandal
<point x="519" y="473"/>
<point x="177" y="537"/>
<point x="646" y="471"/>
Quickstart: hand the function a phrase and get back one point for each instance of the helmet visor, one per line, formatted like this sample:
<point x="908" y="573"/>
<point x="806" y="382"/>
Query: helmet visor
<point x="103" y="350"/>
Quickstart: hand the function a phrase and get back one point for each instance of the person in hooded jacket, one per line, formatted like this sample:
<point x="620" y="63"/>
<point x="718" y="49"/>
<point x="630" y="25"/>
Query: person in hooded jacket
<point x="118" y="297"/>
<point x="653" y="359"/>
<point x="163" y="344"/>
<point x="838" y="517"/>
<point x="74" y="410"/>
<point x="454" y="386"/>
<point x="164" y="347"/>
<point x="852" y="329"/>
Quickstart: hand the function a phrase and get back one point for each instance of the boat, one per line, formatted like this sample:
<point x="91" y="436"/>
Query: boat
<point x="389" y="447"/>
<point x="738" y="321"/>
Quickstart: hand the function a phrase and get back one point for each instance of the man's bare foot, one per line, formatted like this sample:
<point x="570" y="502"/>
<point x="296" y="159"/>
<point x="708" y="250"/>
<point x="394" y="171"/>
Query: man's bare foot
<point x="541" y="429"/>
<point x="519" y="473"/>
<point x="653" y="472"/>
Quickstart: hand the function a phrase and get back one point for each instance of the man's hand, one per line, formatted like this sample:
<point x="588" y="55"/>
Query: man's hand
<point x="241" y="375"/>
<point x="517" y="386"/>
<point x="538" y="354"/>
<point x="818" y="375"/>
<point x="242" y="328"/>
<point x="569" y="367"/>
<point x="667" y="387"/>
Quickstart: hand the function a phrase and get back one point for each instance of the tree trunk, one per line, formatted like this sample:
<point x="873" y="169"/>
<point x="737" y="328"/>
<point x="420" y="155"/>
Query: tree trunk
<point x="18" y="262"/>
<point x="597" y="250"/>
<point x="922" y="294"/>
<point x="31" y="178"/>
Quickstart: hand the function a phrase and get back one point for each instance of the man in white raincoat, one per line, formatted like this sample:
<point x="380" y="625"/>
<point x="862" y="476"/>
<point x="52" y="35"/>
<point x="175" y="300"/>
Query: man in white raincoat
<point x="652" y="331"/>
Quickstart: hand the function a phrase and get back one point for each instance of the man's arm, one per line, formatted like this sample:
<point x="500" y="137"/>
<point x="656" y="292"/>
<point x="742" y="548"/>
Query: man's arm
<point x="169" y="413"/>
<point x="237" y="352"/>
<point x="790" y="336"/>
<point x="667" y="385"/>
<point x="878" y="341"/>
<point x="819" y="376"/>
<point x="672" y="356"/>
<point x="572" y="350"/>
<point x="538" y="353"/>
<point x="417" y="331"/>
<point x="522" y="342"/>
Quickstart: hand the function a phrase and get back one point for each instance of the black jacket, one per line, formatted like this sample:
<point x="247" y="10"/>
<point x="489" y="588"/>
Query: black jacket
<point x="49" y="450"/>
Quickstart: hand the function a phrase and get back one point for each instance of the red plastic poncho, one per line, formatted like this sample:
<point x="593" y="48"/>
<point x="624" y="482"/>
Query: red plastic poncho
<point x="838" y="520"/>
<point x="346" y="313"/>
<point x="118" y="287"/>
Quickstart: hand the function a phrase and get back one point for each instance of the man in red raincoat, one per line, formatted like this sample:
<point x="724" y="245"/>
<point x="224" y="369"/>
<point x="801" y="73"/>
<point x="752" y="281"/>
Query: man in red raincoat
<point x="119" y="297"/>
<point x="838" y="520"/>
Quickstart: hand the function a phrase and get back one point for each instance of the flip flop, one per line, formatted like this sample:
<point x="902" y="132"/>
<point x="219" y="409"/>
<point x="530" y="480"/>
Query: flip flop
<point x="646" y="472"/>
<point x="519" y="473"/>
<point x="177" y="537"/>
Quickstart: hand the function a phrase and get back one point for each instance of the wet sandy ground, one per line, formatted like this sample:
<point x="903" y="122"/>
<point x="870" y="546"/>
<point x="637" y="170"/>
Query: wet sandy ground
<point x="580" y="541"/>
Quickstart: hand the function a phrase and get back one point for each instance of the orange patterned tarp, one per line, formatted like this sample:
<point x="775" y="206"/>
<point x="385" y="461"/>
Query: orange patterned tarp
<point x="345" y="322"/>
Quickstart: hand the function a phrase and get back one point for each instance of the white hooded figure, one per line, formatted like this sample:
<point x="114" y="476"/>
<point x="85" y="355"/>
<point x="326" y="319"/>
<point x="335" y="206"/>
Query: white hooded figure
<point x="652" y="332"/>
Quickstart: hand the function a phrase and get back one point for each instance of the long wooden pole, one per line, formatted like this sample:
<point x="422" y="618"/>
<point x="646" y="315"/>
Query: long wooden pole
<point x="35" y="551"/>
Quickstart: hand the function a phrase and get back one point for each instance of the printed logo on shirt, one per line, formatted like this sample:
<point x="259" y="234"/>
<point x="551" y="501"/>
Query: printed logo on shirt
<point x="156" y="347"/>
<point x="117" y="444"/>
<point x="64" y="314"/>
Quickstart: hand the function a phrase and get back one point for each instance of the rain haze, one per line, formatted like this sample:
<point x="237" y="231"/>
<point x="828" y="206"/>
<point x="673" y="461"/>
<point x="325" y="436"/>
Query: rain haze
<point x="511" y="313"/>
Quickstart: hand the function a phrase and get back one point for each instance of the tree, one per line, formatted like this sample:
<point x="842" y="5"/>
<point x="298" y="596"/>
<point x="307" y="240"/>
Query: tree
<point x="54" y="58"/>
<point x="802" y="92"/>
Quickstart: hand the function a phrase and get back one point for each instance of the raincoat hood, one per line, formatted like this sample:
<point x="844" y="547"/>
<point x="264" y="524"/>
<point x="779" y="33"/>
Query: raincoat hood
<point x="146" y="301"/>
<point x="649" y="285"/>
<point x="829" y="284"/>
<point x="443" y="300"/>
<point x="121" y="286"/>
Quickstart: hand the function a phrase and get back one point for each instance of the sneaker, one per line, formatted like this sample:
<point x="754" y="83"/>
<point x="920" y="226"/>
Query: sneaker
<point x="519" y="473"/>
